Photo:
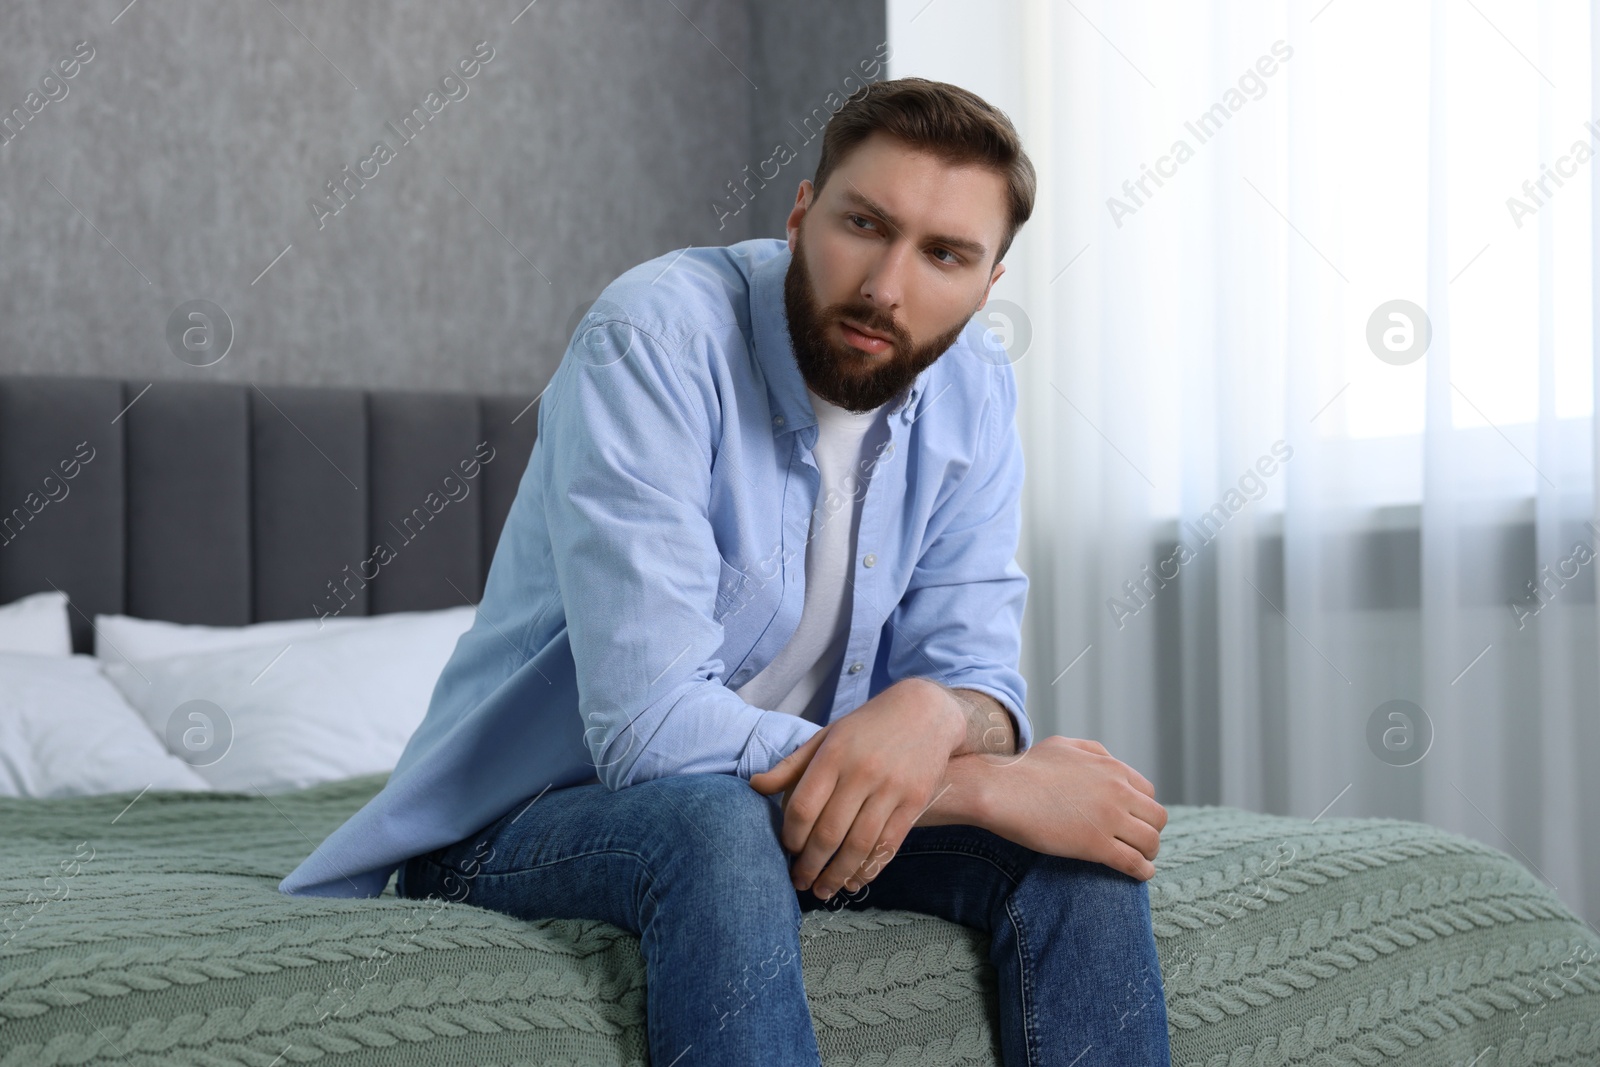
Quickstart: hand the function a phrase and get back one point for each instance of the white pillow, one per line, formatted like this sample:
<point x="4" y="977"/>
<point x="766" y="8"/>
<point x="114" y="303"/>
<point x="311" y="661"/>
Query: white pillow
<point x="36" y="625"/>
<point x="64" y="731"/>
<point x="120" y="638"/>
<point x="287" y="715"/>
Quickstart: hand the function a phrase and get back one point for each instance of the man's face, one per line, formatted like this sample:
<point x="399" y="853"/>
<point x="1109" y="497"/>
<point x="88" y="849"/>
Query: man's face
<point x="899" y="244"/>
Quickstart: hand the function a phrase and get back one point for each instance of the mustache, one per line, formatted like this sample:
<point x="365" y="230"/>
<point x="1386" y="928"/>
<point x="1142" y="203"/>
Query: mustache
<point x="868" y="319"/>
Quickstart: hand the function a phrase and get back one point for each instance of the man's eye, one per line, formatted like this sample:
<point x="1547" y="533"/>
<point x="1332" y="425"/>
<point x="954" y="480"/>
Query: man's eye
<point x="953" y="257"/>
<point x="854" y="218"/>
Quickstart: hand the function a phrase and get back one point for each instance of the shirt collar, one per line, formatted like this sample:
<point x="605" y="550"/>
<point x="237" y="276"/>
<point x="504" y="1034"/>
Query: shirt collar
<point x="786" y="387"/>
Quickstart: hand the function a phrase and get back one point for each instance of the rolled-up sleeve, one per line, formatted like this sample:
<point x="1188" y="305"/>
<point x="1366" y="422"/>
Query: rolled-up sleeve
<point x="627" y="499"/>
<point x="960" y="619"/>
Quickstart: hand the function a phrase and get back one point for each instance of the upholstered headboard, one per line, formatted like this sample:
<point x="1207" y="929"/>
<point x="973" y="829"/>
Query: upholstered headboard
<point x="227" y="504"/>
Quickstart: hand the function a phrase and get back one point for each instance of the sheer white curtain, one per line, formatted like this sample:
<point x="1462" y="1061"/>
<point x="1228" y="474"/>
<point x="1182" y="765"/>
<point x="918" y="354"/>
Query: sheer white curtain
<point x="1304" y="325"/>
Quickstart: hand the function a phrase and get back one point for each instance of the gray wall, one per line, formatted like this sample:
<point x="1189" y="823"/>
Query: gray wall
<point x="185" y="154"/>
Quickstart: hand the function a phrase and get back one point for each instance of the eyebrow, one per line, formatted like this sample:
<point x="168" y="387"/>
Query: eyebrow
<point x="975" y="249"/>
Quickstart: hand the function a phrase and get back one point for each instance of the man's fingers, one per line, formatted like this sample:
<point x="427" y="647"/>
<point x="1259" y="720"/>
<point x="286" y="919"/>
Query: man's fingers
<point x="865" y="833"/>
<point x="1139" y="781"/>
<point x="870" y="867"/>
<point x="804" y="802"/>
<point x="827" y="831"/>
<point x="789" y="769"/>
<point x="1125" y="858"/>
<point x="1142" y="836"/>
<point x="889" y="842"/>
<point x="1151" y="812"/>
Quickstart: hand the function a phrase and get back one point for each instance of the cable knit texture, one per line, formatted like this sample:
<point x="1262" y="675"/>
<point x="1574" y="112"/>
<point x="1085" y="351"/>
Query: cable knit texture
<point x="154" y="933"/>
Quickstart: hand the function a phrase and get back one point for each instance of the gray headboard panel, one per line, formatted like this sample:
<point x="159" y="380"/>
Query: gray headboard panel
<point x="227" y="504"/>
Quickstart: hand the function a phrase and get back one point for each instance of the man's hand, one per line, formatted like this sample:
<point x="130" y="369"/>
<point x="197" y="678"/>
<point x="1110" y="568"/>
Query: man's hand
<point x="859" y="784"/>
<point x="1070" y="797"/>
<point x="1063" y="796"/>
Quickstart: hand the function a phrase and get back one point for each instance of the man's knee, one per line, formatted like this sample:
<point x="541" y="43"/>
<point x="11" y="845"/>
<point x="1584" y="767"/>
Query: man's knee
<point x="1090" y="892"/>
<point x="722" y="806"/>
<point x="721" y="827"/>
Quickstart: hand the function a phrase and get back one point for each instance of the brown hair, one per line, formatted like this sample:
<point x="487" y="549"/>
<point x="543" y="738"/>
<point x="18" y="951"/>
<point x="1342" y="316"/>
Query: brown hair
<point x="953" y="124"/>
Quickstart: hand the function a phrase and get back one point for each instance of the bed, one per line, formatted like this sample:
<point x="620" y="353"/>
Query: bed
<point x="144" y="926"/>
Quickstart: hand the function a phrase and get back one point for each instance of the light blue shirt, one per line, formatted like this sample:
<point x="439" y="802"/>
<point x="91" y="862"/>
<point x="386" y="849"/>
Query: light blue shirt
<point x="654" y="560"/>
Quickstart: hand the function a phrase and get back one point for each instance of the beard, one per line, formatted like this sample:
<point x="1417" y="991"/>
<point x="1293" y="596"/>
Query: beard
<point x="837" y="371"/>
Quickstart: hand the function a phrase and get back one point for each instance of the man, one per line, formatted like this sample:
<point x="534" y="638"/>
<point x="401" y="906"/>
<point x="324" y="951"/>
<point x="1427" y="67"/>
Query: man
<point x="750" y="635"/>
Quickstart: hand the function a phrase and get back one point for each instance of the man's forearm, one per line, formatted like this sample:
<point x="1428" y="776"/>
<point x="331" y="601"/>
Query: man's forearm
<point x="964" y="795"/>
<point x="990" y="727"/>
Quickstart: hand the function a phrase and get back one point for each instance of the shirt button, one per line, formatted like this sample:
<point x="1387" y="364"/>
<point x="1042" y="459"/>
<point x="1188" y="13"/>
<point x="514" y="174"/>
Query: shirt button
<point x="855" y="668"/>
<point x="777" y="420"/>
<point x="869" y="560"/>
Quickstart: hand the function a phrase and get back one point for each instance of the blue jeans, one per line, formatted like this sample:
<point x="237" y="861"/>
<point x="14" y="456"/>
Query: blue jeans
<point x="692" y="864"/>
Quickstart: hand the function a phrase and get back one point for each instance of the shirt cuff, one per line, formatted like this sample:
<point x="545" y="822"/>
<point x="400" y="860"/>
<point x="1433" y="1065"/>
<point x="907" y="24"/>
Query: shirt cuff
<point x="776" y="735"/>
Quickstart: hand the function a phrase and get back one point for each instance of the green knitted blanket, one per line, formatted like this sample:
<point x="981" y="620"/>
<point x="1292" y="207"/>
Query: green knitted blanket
<point x="155" y="934"/>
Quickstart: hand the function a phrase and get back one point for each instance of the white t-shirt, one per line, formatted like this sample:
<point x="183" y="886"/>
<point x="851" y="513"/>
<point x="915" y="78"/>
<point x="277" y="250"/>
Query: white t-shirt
<point x="802" y="678"/>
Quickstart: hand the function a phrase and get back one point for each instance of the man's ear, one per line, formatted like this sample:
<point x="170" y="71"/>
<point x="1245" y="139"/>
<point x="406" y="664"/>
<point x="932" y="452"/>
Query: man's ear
<point x="999" y="269"/>
<point x="802" y="204"/>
